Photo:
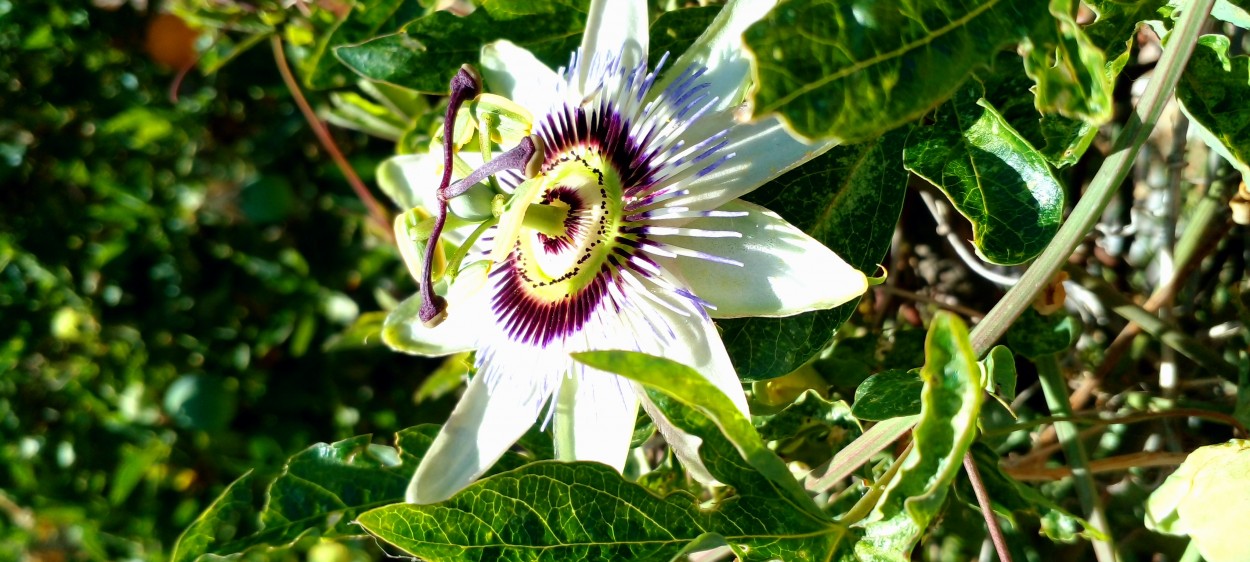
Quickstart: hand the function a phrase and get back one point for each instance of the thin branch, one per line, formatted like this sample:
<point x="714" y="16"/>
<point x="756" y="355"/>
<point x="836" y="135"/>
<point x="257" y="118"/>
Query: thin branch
<point x="983" y="499"/>
<point x="914" y="296"/>
<point x="1113" y="464"/>
<point x="377" y="213"/>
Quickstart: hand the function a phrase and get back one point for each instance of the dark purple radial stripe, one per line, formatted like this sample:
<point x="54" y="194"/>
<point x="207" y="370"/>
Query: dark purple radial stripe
<point x="538" y="322"/>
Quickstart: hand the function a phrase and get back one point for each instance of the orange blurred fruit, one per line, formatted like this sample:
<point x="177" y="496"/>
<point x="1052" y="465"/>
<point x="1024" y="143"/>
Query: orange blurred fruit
<point x="170" y="41"/>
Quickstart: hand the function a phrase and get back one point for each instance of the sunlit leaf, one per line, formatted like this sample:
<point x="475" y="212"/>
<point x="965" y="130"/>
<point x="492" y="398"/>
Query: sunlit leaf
<point x="427" y="52"/>
<point x="366" y="19"/>
<point x="319" y="493"/>
<point x="686" y="385"/>
<point x="852" y="70"/>
<point x="1206" y="498"/>
<point x="1070" y="71"/>
<point x="1000" y="370"/>
<point x="951" y="401"/>
<point x="992" y="176"/>
<point x="217" y="524"/>
<point x="1213" y="91"/>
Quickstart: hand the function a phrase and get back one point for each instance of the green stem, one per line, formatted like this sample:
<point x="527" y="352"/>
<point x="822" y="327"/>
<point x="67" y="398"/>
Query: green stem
<point x="1055" y="389"/>
<point x="1213" y="205"/>
<point x="1103" y="187"/>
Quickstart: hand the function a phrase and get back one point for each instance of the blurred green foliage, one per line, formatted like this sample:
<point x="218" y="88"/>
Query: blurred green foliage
<point x="169" y="274"/>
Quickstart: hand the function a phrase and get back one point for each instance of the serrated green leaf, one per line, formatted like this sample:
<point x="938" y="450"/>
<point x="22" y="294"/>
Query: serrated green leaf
<point x="852" y="70"/>
<point x="810" y="429"/>
<point x="1010" y="498"/>
<point x="365" y="20"/>
<point x="1070" y="71"/>
<point x="889" y="394"/>
<point x="674" y="31"/>
<point x="849" y="199"/>
<point x="1213" y="91"/>
<point x="555" y="511"/>
<point x="1034" y="335"/>
<point x="992" y="176"/>
<point x="318" y="493"/>
<point x="951" y="401"/>
<point x="687" y="386"/>
<point x="217" y="524"/>
<point x="1206" y="498"/>
<point x="427" y="52"/>
<point x="1062" y="140"/>
<point x="1115" y="30"/>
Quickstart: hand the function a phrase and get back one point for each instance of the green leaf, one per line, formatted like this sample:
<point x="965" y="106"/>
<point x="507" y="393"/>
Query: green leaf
<point x="687" y="386"/>
<point x="854" y="69"/>
<point x="1010" y="498"/>
<point x="1062" y="140"/>
<point x="810" y="429"/>
<point x="848" y="198"/>
<point x="319" y="493"/>
<point x="218" y="524"/>
<point x="1034" y="335"/>
<point x="951" y="401"/>
<point x="1236" y="12"/>
<point x="992" y="176"/>
<point x="889" y="394"/>
<point x="427" y="52"/>
<point x="365" y="20"/>
<point x="1070" y="71"/>
<point x="549" y="511"/>
<point x="1206" y="498"/>
<point x="1000" y="366"/>
<point x="1115" y="30"/>
<point x="1213" y="91"/>
<point x="674" y="31"/>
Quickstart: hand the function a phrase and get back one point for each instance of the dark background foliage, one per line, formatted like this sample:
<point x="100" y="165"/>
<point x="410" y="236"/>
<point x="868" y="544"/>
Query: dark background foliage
<point x="170" y="274"/>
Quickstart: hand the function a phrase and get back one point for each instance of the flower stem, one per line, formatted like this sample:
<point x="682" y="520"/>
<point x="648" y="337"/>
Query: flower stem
<point x="377" y="213"/>
<point x="1103" y="187"/>
<point x="983" y="499"/>
<point x="1054" y="387"/>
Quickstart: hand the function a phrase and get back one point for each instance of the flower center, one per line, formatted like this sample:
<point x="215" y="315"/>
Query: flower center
<point x="563" y="256"/>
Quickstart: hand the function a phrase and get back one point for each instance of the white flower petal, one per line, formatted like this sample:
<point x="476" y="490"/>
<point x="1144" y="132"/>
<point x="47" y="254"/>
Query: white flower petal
<point x="697" y="344"/>
<point x="466" y="303"/>
<point x="594" y="419"/>
<point x="720" y="49"/>
<point x="513" y="72"/>
<point x="784" y="271"/>
<point x="614" y="28"/>
<point x="761" y="151"/>
<point x="486" y="422"/>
